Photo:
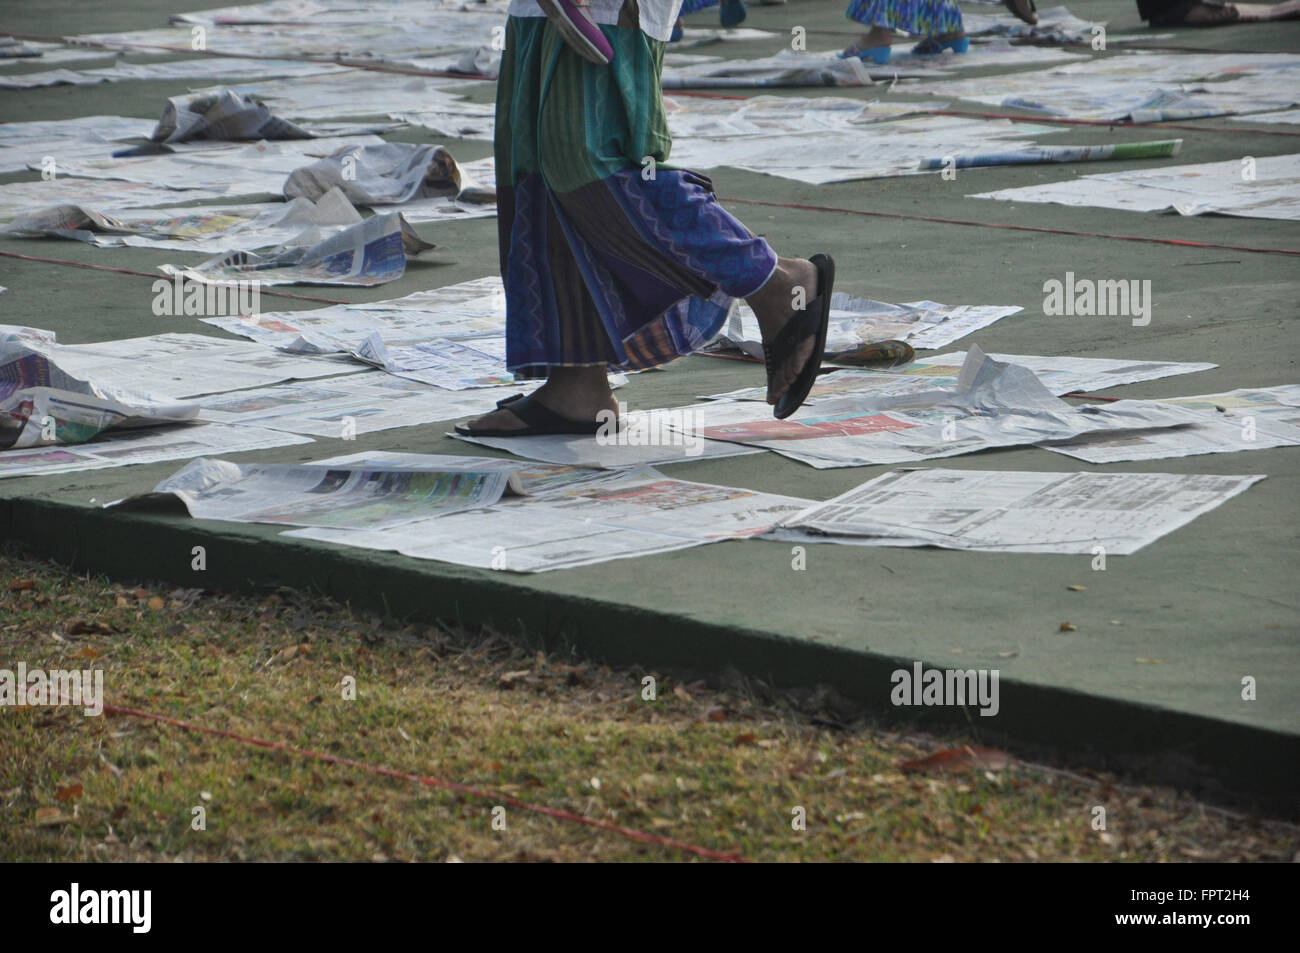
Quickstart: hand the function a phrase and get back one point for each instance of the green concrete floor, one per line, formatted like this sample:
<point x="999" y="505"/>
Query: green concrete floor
<point x="1214" y="601"/>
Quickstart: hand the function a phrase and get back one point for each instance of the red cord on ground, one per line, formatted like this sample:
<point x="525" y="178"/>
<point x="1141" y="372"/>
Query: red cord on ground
<point x="628" y="832"/>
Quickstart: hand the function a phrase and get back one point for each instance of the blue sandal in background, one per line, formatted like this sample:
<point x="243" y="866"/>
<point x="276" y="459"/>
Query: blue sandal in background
<point x="932" y="46"/>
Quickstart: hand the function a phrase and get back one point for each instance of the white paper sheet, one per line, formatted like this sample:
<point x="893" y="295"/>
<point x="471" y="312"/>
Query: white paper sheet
<point x="211" y="228"/>
<point x="1253" y="418"/>
<point x="622" y="515"/>
<point x="1060" y="375"/>
<point x="119" y="448"/>
<point x="871" y="150"/>
<point x="350" y="497"/>
<point x="854" y="321"/>
<point x="1267" y="187"/>
<point x="41" y="404"/>
<point x="1139" y="86"/>
<point x="177" y="365"/>
<point x="344" y="407"/>
<point x="371" y="252"/>
<point x="992" y="405"/>
<point x="1111" y="514"/>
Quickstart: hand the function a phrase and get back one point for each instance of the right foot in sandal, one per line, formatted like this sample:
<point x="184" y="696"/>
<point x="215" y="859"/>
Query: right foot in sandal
<point x="1024" y="9"/>
<point x="793" y="282"/>
<point x="1210" y="14"/>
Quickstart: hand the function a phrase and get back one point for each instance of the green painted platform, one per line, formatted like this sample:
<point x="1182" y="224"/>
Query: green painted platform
<point x="1212" y="602"/>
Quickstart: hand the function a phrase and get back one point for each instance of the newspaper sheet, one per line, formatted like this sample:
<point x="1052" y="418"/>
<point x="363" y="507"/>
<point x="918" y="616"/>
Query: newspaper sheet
<point x="19" y="197"/>
<point x="854" y="321"/>
<point x="233" y="67"/>
<point x="459" y="312"/>
<point x="371" y="252"/>
<point x="211" y="228"/>
<point x="621" y="515"/>
<point x="1060" y="375"/>
<point x="175" y="365"/>
<point x="388" y="174"/>
<point x="1055" y="25"/>
<point x="535" y="480"/>
<point x="1255" y="418"/>
<point x="1111" y="514"/>
<point x="870" y="150"/>
<point x="41" y="404"/>
<point x="361" y="93"/>
<point x="826" y="68"/>
<point x="228" y="169"/>
<point x="452" y="365"/>
<point x="351" y="497"/>
<point x="695" y="118"/>
<point x="119" y="448"/>
<point x="84" y="128"/>
<point x="34" y="144"/>
<point x="992" y="405"/>
<point x="1140" y="87"/>
<point x="344" y="407"/>
<point x="1266" y="187"/>
<point x="391" y="31"/>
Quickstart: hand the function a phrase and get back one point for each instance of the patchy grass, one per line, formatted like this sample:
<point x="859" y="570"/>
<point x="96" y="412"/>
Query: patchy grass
<point x="722" y="767"/>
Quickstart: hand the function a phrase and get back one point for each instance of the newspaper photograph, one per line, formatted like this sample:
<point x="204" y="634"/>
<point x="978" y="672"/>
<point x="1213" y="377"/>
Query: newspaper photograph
<point x="41" y="404"/>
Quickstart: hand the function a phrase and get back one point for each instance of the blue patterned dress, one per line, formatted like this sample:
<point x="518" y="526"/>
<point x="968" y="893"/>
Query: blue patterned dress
<point x="917" y="17"/>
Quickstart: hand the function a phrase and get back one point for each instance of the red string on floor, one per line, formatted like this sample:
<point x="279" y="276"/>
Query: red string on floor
<point x="628" y="832"/>
<point x="156" y="276"/>
<point x="1018" y="228"/>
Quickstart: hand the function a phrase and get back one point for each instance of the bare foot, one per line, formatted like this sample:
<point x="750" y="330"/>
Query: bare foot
<point x="791" y="288"/>
<point x="578" y="393"/>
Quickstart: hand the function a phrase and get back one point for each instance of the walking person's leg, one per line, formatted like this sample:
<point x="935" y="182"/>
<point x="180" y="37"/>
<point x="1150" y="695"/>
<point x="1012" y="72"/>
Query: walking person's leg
<point x="610" y="258"/>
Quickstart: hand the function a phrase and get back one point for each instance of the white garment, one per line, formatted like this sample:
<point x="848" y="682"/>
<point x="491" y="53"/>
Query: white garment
<point x="657" y="16"/>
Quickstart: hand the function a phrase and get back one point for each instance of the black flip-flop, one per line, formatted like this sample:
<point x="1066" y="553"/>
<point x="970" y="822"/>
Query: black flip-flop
<point x="1024" y="9"/>
<point x="812" y="321"/>
<point x="537" y="419"/>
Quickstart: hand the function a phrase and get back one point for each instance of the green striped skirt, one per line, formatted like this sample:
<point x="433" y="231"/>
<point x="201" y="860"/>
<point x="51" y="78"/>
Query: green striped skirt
<point x="608" y="255"/>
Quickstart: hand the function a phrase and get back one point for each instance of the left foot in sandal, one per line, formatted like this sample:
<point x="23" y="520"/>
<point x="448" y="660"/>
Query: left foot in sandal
<point x="576" y="394"/>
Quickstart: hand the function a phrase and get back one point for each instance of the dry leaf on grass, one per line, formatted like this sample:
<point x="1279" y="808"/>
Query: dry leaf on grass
<point x="70" y="793"/>
<point x="959" y="759"/>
